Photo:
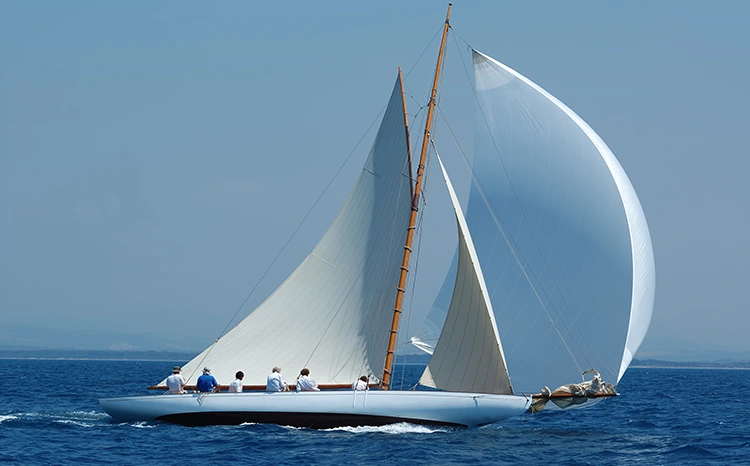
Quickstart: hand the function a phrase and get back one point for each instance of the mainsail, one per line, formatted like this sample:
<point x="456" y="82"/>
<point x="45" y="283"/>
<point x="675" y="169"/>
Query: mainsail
<point x="468" y="356"/>
<point x="334" y="312"/>
<point x="560" y="234"/>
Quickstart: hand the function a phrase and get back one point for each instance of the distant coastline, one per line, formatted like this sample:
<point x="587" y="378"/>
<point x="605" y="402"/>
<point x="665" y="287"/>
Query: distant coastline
<point x="99" y="355"/>
<point x="409" y="359"/>
<point x="660" y="364"/>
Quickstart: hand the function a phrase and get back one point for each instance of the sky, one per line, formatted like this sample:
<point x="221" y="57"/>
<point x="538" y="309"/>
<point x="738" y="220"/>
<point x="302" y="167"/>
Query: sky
<point x="156" y="156"/>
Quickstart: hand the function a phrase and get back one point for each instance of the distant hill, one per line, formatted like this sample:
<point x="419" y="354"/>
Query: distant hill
<point x="678" y="350"/>
<point x="37" y="337"/>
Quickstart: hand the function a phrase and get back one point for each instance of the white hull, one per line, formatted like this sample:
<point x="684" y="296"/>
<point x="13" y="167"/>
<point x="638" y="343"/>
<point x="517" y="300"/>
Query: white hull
<point x="319" y="409"/>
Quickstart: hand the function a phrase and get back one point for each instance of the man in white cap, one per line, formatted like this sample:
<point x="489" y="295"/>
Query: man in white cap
<point x="176" y="382"/>
<point x="207" y="382"/>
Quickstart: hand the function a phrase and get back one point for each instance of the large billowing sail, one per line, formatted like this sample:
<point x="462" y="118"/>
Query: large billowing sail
<point x="560" y="234"/>
<point x="333" y="313"/>
<point x="468" y="356"/>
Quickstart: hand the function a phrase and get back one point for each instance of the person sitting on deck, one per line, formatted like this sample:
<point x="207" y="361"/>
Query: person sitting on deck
<point x="207" y="382"/>
<point x="305" y="383"/>
<point x="275" y="382"/>
<point x="176" y="382"/>
<point x="236" y="386"/>
<point x="361" y="384"/>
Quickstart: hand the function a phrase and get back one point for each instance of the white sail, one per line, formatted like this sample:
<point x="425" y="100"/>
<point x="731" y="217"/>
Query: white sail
<point x="560" y="234"/>
<point x="468" y="355"/>
<point x="334" y="312"/>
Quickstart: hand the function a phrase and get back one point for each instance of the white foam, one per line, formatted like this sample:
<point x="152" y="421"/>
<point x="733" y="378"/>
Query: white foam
<point x="400" y="428"/>
<point x="92" y="415"/>
<point x="7" y="417"/>
<point x="142" y="425"/>
<point x="74" y="423"/>
<point x="72" y="417"/>
<point x="291" y="427"/>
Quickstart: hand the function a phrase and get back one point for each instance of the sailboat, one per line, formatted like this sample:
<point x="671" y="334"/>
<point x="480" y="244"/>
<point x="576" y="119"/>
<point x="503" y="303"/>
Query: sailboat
<point x="553" y="275"/>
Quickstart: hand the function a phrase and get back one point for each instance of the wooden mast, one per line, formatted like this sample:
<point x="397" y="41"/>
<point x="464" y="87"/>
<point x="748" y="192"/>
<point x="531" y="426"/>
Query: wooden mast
<point x="386" y="380"/>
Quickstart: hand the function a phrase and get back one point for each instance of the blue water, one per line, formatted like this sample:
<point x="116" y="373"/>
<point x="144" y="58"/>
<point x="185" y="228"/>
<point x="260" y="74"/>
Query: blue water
<point x="50" y="415"/>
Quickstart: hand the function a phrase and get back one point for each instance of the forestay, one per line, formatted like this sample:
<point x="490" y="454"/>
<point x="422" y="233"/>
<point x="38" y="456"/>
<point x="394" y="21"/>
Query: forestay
<point x="333" y="313"/>
<point x="560" y="234"/>
<point x="468" y="356"/>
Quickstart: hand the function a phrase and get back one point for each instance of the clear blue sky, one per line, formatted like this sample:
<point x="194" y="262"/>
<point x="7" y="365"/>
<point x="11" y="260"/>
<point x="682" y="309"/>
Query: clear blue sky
<point x="155" y="156"/>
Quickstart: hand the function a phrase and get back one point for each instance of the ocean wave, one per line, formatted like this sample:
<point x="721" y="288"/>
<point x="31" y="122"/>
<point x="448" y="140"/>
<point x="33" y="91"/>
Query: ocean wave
<point x="688" y="452"/>
<point x="640" y="424"/>
<point x="7" y="417"/>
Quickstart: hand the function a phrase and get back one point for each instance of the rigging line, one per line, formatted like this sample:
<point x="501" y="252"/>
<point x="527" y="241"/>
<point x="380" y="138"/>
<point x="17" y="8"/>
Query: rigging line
<point x="526" y="221"/>
<point x="414" y="117"/>
<point x="421" y="107"/>
<point x="439" y="30"/>
<point x="406" y="83"/>
<point x="223" y="332"/>
<point x="438" y="98"/>
<point x="464" y="40"/>
<point x="415" y="100"/>
<point x="510" y="243"/>
<point x="415" y="141"/>
<point x="429" y="88"/>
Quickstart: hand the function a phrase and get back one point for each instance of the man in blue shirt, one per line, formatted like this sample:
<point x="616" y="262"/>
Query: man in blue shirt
<point x="207" y="382"/>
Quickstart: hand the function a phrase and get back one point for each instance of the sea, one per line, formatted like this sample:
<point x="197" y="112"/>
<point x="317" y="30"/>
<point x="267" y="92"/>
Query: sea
<point x="51" y="415"/>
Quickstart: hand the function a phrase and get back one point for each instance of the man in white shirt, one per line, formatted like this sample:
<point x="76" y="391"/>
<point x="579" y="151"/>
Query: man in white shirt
<point x="176" y="382"/>
<point x="361" y="384"/>
<point x="305" y="383"/>
<point x="236" y="386"/>
<point x="275" y="382"/>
